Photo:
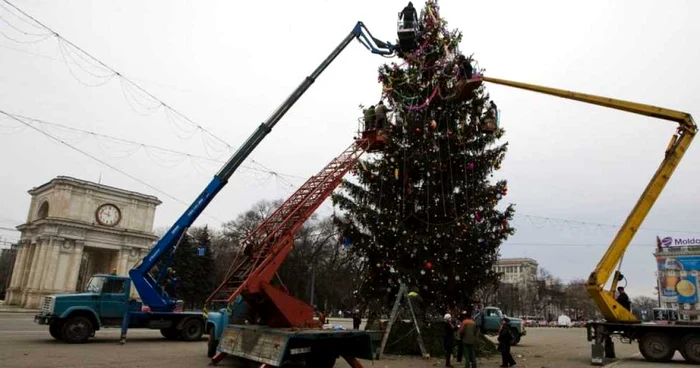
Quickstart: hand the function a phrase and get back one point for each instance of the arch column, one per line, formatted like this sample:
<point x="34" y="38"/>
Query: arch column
<point x="19" y="264"/>
<point x="14" y="292"/>
<point x="51" y="263"/>
<point x="40" y="267"/>
<point x="32" y="266"/>
<point x="72" y="279"/>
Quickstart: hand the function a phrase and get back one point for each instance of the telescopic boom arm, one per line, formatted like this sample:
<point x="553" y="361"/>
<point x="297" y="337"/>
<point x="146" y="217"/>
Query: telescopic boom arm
<point x="605" y="300"/>
<point x="147" y="287"/>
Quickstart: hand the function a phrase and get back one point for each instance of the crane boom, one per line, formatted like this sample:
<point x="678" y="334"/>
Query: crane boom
<point x="266" y="247"/>
<point x="146" y="285"/>
<point x="605" y="300"/>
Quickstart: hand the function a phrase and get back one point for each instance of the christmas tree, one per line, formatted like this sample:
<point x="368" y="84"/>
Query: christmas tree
<point x="423" y="211"/>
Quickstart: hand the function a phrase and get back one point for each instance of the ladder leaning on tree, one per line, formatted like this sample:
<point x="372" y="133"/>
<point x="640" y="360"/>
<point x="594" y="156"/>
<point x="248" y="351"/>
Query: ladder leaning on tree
<point x="403" y="293"/>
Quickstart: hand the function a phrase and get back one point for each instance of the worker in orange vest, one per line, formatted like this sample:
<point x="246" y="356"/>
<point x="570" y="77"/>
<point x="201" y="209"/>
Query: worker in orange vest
<point x="468" y="333"/>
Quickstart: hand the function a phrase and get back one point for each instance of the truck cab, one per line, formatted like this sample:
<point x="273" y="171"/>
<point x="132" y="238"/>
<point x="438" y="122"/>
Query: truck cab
<point x="489" y="322"/>
<point x="75" y="317"/>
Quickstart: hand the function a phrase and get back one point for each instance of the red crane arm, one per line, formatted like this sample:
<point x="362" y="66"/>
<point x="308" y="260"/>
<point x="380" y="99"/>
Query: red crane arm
<point x="266" y="247"/>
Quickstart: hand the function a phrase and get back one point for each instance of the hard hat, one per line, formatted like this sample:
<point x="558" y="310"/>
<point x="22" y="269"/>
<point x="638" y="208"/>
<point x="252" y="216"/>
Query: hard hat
<point x="447" y="316"/>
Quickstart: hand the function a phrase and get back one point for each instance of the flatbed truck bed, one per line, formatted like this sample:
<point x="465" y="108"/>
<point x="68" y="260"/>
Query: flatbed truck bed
<point x="279" y="347"/>
<point x="658" y="342"/>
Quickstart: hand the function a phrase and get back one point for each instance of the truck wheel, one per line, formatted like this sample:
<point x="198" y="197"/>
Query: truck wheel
<point x="656" y="347"/>
<point x="516" y="336"/>
<point x="192" y="330"/>
<point x="76" y="330"/>
<point x="55" y="330"/>
<point x="170" y="333"/>
<point x="212" y="344"/>
<point x="690" y="349"/>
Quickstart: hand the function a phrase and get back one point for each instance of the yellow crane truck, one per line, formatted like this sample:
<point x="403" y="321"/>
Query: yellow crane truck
<point x="658" y="342"/>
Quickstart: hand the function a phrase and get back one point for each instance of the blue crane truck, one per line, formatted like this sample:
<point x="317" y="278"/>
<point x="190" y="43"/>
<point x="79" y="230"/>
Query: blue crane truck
<point x="74" y="318"/>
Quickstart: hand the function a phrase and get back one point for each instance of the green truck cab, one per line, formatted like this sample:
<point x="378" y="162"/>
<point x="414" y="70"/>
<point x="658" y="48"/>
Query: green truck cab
<point x="489" y="321"/>
<point x="75" y="317"/>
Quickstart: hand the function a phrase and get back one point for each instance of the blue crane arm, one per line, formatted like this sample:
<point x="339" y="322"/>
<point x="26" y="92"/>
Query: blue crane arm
<point x="147" y="287"/>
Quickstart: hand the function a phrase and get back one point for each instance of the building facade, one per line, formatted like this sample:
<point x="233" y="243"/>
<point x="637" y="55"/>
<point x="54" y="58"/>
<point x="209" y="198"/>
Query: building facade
<point x="678" y="273"/>
<point x="517" y="292"/>
<point x="517" y="270"/>
<point x="75" y="229"/>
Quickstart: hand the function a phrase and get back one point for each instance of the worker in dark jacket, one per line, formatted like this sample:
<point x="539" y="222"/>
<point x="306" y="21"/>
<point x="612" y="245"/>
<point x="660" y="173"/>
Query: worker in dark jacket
<point x="370" y="118"/>
<point x="504" y="341"/>
<point x="449" y="338"/>
<point x="460" y="346"/>
<point x="356" y="320"/>
<point x="408" y="14"/>
<point x="465" y="67"/>
<point x="623" y="298"/>
<point x="380" y="115"/>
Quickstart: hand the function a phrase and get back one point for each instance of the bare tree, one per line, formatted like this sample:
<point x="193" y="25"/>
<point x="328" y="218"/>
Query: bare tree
<point x="550" y="294"/>
<point x="320" y="270"/>
<point x="225" y="244"/>
<point x="579" y="306"/>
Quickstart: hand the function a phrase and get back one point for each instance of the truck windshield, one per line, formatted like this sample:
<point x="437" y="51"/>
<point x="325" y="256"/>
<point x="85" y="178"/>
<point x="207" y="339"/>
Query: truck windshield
<point x="95" y="285"/>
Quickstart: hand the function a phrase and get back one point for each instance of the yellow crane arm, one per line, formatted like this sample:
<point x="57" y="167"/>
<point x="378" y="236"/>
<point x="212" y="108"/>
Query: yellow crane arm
<point x="605" y="300"/>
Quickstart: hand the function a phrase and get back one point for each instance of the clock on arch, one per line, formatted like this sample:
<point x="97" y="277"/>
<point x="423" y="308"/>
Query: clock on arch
<point x="108" y="215"/>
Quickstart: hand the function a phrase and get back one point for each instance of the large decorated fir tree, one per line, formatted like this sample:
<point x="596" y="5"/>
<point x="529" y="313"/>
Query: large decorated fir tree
<point x="423" y="211"/>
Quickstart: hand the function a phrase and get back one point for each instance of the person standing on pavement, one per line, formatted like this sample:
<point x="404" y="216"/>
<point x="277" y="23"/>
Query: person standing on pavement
<point x="460" y="345"/>
<point x="504" y="341"/>
<point x="356" y="320"/>
<point x="449" y="339"/>
<point x="468" y="333"/>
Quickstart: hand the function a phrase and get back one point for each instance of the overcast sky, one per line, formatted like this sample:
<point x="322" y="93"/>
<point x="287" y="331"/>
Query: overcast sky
<point x="227" y="65"/>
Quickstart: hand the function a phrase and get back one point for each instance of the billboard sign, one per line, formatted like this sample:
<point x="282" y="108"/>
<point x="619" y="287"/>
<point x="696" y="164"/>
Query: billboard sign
<point x="669" y="241"/>
<point x="678" y="278"/>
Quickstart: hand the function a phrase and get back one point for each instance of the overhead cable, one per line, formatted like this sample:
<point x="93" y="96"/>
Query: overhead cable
<point x="141" y="144"/>
<point x="129" y="87"/>
<point x="84" y="153"/>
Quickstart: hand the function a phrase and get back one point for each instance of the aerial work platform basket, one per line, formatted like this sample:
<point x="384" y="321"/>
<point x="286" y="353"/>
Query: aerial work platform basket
<point x="375" y="138"/>
<point x="465" y="89"/>
<point x="407" y="31"/>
